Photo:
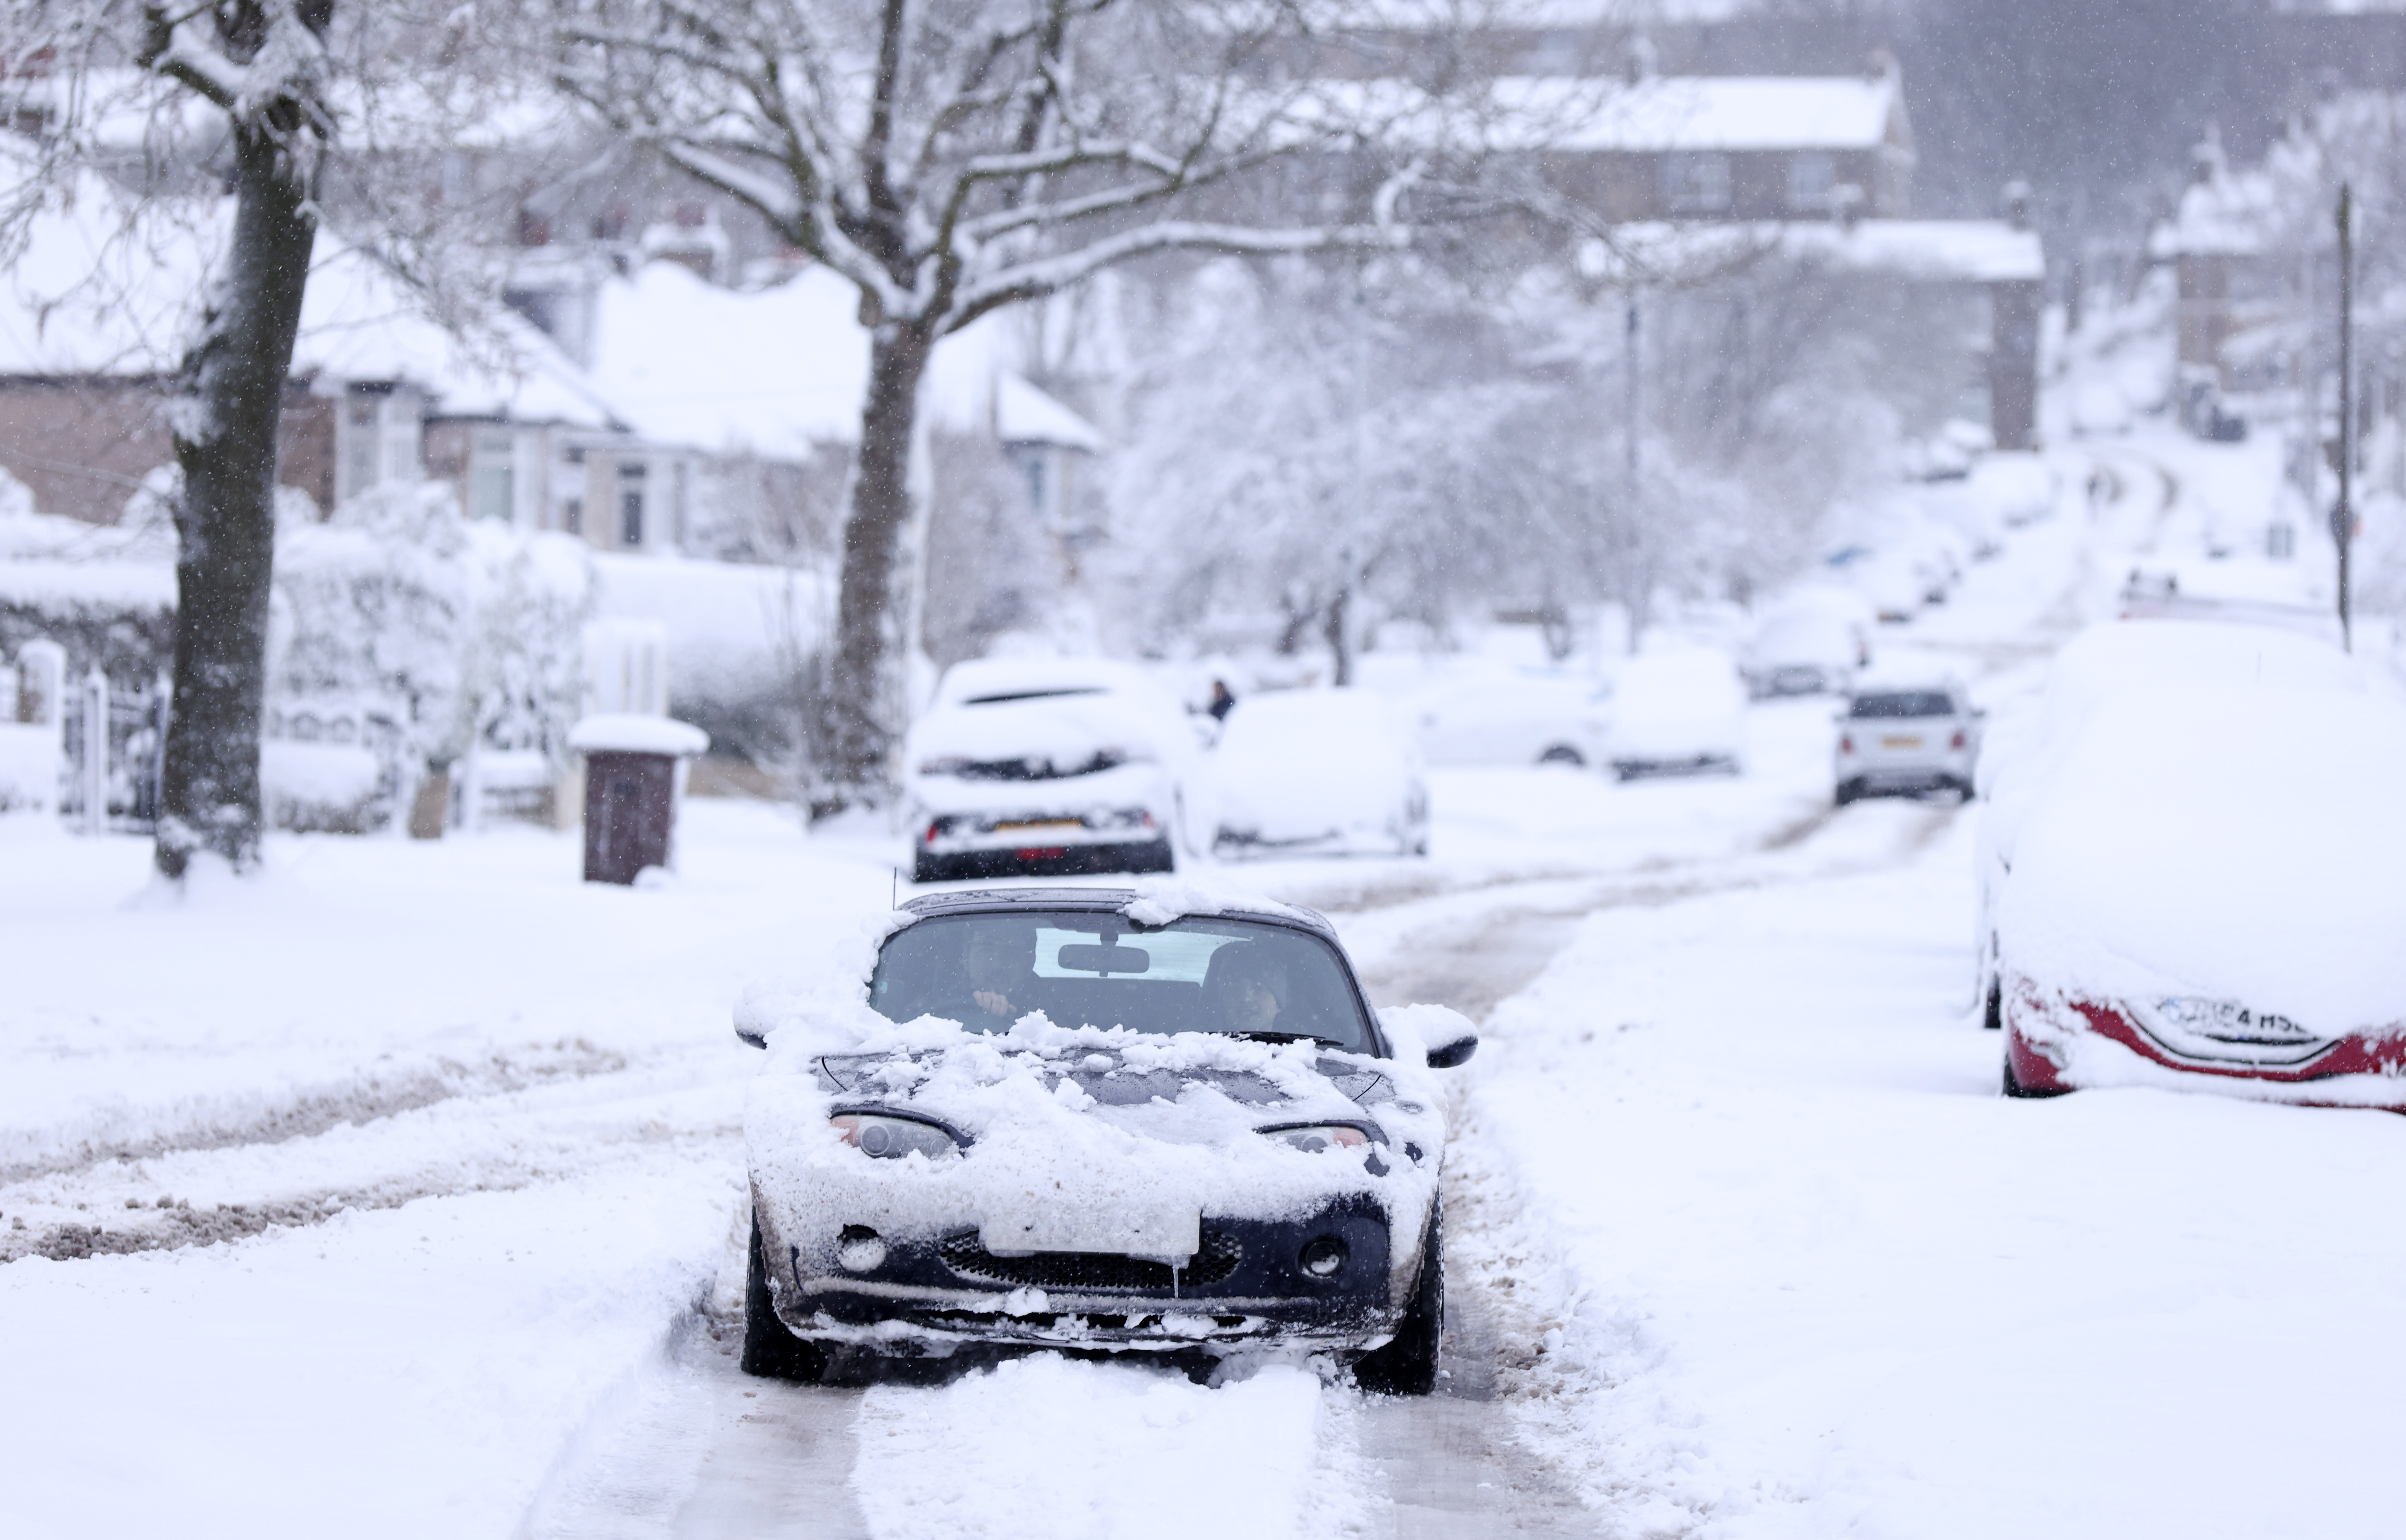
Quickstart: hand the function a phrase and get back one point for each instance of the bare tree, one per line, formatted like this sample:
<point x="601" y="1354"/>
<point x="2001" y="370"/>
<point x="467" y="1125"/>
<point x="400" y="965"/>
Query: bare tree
<point x="948" y="158"/>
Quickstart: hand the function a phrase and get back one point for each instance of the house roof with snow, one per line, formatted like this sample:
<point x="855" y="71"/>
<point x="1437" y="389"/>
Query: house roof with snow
<point x="1925" y="250"/>
<point x="781" y="369"/>
<point x="105" y="286"/>
<point x="1736" y="112"/>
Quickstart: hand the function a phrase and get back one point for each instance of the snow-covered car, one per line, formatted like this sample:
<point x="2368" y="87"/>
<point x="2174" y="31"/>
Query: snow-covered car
<point x="1905" y="734"/>
<point x="1046" y="767"/>
<point x="1894" y="586"/>
<point x="1805" y="646"/>
<point x="2207" y="895"/>
<point x="957" y="1150"/>
<point x="1317" y="772"/>
<point x="2106" y="672"/>
<point x="1679" y="714"/>
<point x="1515" y="718"/>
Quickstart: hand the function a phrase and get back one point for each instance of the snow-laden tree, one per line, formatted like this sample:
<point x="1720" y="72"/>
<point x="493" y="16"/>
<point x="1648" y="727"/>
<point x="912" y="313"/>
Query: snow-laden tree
<point x="951" y="157"/>
<point x="278" y="103"/>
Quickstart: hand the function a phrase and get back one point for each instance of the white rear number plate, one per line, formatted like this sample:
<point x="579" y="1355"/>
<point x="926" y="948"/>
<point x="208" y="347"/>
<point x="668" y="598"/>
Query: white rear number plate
<point x="1116" y="1228"/>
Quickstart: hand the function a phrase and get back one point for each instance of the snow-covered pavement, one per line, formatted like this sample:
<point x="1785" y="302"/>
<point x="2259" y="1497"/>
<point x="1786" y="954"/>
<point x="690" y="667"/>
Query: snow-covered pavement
<point x="1741" y="1241"/>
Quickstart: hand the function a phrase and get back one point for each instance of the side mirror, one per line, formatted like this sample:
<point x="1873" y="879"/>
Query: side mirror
<point x="1454" y="1052"/>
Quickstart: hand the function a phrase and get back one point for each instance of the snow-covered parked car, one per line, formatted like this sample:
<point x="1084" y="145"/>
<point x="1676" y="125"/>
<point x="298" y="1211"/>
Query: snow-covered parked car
<point x="1317" y="772"/>
<point x="1810" y="645"/>
<point x="1046" y="767"/>
<point x="2106" y="673"/>
<point x="2207" y="895"/>
<point x="957" y="1152"/>
<point x="1905" y="732"/>
<point x="1515" y="718"/>
<point x="1679" y="714"/>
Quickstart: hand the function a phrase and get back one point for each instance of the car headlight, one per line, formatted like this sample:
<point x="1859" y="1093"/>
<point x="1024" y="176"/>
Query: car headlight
<point x="891" y="1138"/>
<point x="1314" y="1138"/>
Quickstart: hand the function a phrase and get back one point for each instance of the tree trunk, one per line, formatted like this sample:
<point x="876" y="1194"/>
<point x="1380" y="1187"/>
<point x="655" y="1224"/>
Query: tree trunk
<point x="860" y="717"/>
<point x="230" y="398"/>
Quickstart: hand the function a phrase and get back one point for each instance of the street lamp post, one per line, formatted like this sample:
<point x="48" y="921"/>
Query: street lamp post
<point x="2344" y="515"/>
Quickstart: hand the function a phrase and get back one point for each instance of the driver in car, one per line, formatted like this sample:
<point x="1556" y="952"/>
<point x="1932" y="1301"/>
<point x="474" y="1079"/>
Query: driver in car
<point x="1248" y="987"/>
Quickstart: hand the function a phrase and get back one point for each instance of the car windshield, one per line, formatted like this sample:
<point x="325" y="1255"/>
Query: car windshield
<point x="1087" y="970"/>
<point x="1904" y="703"/>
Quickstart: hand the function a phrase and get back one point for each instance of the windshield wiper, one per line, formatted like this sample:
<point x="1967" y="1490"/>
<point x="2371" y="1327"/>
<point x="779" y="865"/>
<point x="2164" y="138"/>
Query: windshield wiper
<point x="1286" y="1037"/>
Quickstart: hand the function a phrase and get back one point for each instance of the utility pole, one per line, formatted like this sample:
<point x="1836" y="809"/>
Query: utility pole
<point x="2344" y="515"/>
<point x="1631" y="575"/>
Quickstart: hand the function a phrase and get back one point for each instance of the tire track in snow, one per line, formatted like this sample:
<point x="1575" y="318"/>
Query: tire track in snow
<point x="202" y="1193"/>
<point x="383" y="1088"/>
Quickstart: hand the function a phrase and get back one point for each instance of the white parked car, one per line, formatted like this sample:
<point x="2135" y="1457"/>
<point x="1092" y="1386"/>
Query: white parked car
<point x="1515" y="718"/>
<point x="2105" y="673"/>
<point x="1321" y="772"/>
<point x="1677" y="714"/>
<point x="1903" y="733"/>
<point x="1806" y="645"/>
<point x="1047" y="767"/>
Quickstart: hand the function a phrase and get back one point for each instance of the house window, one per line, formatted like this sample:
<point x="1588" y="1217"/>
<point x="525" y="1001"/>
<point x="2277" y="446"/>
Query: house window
<point x="1811" y="177"/>
<point x="630" y="503"/>
<point x="493" y="478"/>
<point x="1696" y="183"/>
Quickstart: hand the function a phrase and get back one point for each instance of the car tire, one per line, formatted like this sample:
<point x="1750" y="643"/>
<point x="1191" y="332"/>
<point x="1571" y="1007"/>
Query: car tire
<point x="1992" y="1014"/>
<point x="1848" y="791"/>
<point x="2019" y="1091"/>
<point x="1563" y="753"/>
<point x="770" y="1350"/>
<point x="1407" y="1364"/>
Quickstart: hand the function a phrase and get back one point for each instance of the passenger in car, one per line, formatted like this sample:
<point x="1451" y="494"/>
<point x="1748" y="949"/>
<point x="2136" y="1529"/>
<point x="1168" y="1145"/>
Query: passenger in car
<point x="1001" y="966"/>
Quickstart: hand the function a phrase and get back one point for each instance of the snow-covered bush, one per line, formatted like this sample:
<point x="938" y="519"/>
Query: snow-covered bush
<point x="421" y="634"/>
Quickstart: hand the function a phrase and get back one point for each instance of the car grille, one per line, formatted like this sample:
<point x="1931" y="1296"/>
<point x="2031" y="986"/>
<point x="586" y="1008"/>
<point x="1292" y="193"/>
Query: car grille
<point x="1092" y="1271"/>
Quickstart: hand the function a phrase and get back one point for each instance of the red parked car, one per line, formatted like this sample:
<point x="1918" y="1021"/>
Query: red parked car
<point x="2210" y="893"/>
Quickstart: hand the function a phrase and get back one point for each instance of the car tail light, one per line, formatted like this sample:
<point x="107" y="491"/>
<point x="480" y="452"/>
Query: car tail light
<point x="1957" y="741"/>
<point x="1846" y="742"/>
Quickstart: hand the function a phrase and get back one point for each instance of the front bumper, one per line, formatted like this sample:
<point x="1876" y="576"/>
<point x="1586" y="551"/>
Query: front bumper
<point x="2080" y="1045"/>
<point x="926" y="1291"/>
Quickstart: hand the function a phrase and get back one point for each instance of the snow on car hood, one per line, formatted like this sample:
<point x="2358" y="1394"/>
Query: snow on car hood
<point x="2237" y="844"/>
<point x="1105" y="1119"/>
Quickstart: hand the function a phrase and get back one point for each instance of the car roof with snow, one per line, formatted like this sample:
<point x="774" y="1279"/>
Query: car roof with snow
<point x="1098" y="900"/>
<point x="983" y="680"/>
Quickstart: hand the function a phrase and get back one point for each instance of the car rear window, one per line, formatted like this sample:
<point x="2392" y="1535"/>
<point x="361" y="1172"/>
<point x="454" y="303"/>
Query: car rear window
<point x="1903" y="703"/>
<point x="1087" y="970"/>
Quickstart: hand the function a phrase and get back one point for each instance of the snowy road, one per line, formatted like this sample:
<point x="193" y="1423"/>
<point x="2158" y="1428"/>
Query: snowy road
<point x="1740" y="1240"/>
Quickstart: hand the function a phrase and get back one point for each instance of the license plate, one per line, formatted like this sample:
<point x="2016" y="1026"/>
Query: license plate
<point x="1121" y="1230"/>
<point x="1021" y="826"/>
<point x="1908" y="742"/>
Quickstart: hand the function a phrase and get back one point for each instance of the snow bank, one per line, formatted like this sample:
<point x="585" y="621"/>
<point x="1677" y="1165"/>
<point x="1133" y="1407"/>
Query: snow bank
<point x="1042" y="1448"/>
<point x="2241" y="845"/>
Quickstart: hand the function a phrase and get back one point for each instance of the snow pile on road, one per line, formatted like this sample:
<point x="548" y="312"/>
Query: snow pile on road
<point x="1042" y="1448"/>
<point x="2243" y="845"/>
